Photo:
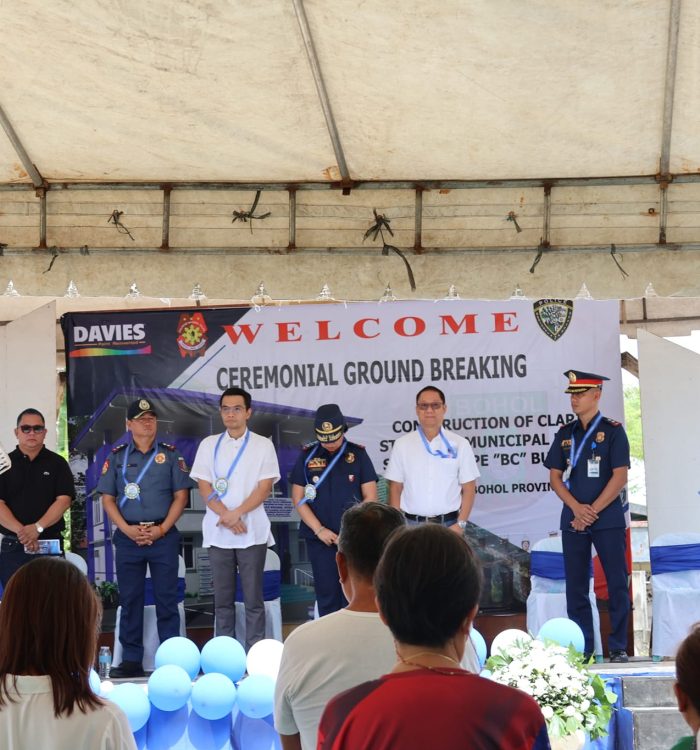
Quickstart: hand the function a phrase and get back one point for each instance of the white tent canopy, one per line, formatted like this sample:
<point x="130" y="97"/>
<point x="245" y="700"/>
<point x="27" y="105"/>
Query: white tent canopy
<point x="223" y="91"/>
<point x="491" y="126"/>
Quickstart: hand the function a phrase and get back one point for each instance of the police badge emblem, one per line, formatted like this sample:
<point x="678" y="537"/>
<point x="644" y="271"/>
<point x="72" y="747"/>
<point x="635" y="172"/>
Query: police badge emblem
<point x="144" y="405"/>
<point x="160" y="458"/>
<point x="553" y="316"/>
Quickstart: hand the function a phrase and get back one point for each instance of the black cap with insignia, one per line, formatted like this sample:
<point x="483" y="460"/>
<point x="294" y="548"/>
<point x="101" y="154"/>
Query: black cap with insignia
<point x="329" y="423"/>
<point x="580" y="381"/>
<point x="140" y="407"/>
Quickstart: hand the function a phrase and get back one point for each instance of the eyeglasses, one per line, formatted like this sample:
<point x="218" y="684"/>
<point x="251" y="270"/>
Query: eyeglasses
<point x="27" y="428"/>
<point x="430" y="407"/>
<point x="233" y="409"/>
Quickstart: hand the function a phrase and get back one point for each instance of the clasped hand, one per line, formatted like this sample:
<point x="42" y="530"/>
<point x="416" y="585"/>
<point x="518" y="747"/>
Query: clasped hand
<point x="231" y="520"/>
<point x="584" y="516"/>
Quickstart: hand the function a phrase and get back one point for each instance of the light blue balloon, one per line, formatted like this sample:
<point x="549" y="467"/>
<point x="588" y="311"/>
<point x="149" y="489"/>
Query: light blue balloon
<point x="169" y="687"/>
<point x="133" y="702"/>
<point x="256" y="696"/>
<point x="213" y="696"/>
<point x="257" y="734"/>
<point x="95" y="682"/>
<point x="224" y="655"/>
<point x="563" y="631"/>
<point x="203" y="734"/>
<point x="167" y="730"/>
<point x="479" y="645"/>
<point x="179" y="651"/>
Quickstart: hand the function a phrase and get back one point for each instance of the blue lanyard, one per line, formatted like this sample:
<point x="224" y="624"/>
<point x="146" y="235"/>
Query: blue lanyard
<point x="327" y="471"/>
<point x="451" y="452"/>
<point x="576" y="454"/>
<point x="141" y="473"/>
<point x="234" y="463"/>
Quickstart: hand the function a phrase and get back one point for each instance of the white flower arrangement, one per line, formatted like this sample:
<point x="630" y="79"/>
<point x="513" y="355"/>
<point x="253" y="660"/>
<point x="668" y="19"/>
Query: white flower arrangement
<point x="571" y="697"/>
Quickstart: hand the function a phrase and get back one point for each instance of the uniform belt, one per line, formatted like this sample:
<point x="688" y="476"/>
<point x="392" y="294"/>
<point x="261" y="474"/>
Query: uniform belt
<point x="444" y="518"/>
<point x="157" y="522"/>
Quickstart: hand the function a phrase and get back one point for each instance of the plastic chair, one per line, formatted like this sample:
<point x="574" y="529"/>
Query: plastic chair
<point x="151" y="641"/>
<point x="675" y="583"/>
<point x="79" y="562"/>
<point x="271" y="593"/>
<point x="547" y="598"/>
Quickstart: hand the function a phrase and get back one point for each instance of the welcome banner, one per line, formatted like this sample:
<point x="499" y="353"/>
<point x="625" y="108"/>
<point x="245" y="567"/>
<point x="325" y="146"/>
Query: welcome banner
<point x="500" y="365"/>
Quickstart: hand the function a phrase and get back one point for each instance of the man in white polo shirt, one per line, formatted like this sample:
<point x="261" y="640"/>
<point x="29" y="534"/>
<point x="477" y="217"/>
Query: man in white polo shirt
<point x="432" y="471"/>
<point x="235" y="471"/>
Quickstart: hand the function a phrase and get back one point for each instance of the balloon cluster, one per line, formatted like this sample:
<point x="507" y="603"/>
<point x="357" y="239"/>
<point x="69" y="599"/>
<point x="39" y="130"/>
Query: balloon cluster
<point x="178" y="709"/>
<point x="560" y="630"/>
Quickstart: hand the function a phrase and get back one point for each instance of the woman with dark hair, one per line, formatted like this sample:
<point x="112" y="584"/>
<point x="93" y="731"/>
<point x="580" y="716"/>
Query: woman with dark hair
<point x="427" y="586"/>
<point x="49" y="621"/>
<point x="687" y="686"/>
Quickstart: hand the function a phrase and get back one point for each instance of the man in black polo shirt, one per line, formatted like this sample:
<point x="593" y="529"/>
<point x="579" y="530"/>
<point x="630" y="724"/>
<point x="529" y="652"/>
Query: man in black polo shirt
<point x="34" y="494"/>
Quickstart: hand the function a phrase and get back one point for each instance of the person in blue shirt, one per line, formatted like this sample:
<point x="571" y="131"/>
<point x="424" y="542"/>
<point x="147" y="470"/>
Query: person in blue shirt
<point x="588" y="461"/>
<point x="145" y="484"/>
<point x="330" y="475"/>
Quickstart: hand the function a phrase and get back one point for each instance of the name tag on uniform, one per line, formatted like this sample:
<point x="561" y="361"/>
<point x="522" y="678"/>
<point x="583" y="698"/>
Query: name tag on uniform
<point x="593" y="468"/>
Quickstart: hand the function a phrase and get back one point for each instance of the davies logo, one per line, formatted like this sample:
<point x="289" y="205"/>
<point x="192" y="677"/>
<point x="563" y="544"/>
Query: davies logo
<point x="109" y="340"/>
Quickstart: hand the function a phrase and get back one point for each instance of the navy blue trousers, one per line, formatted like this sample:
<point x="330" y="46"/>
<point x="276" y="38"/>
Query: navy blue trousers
<point x="610" y="545"/>
<point x="131" y="561"/>
<point x="329" y="594"/>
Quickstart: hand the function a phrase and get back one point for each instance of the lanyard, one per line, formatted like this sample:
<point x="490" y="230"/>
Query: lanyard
<point x="451" y="452"/>
<point x="141" y="473"/>
<point x="234" y="463"/>
<point x="327" y="470"/>
<point x="576" y="454"/>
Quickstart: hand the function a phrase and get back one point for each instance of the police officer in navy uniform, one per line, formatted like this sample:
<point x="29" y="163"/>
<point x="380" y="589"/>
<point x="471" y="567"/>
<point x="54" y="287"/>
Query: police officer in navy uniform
<point x="588" y="462"/>
<point x="330" y="475"/>
<point x="145" y="484"/>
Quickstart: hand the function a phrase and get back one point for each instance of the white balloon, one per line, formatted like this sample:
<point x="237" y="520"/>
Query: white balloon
<point x="106" y="687"/>
<point x="264" y="658"/>
<point x="506" y="638"/>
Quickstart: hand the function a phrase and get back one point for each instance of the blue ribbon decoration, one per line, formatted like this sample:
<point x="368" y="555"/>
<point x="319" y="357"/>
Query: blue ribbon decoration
<point x="451" y="450"/>
<point x="674" y="557"/>
<point x="576" y="454"/>
<point x="141" y="474"/>
<point x="234" y="463"/>
<point x="549" y="565"/>
<point x="327" y="471"/>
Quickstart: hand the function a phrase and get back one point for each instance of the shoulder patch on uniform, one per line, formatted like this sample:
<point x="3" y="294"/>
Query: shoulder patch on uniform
<point x="119" y="447"/>
<point x="182" y="465"/>
<point x="169" y="446"/>
<point x="612" y="422"/>
<point x="105" y="466"/>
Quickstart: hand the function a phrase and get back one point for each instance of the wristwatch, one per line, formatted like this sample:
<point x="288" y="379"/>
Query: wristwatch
<point x="39" y="528"/>
<point x="462" y="525"/>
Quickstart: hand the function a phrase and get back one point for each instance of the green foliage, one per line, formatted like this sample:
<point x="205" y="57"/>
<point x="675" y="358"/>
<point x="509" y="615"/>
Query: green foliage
<point x="633" y="422"/>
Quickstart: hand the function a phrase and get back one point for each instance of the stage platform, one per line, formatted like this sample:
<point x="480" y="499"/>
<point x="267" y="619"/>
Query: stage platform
<point x="647" y="716"/>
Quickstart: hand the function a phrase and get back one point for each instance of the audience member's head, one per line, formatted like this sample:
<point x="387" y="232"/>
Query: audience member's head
<point x="364" y="530"/>
<point x="687" y="687"/>
<point x="428" y="584"/>
<point x="49" y="621"/>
